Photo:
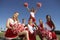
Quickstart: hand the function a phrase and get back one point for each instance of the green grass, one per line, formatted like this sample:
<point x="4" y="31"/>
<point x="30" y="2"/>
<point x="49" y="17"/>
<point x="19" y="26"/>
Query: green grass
<point x="37" y="37"/>
<point x="1" y="34"/>
<point x="58" y="37"/>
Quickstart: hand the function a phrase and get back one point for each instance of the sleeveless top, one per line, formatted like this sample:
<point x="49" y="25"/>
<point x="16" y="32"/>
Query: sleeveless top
<point x="9" y="33"/>
<point x="32" y="14"/>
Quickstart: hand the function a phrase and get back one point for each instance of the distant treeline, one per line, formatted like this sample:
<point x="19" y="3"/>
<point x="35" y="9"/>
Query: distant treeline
<point x="57" y="32"/>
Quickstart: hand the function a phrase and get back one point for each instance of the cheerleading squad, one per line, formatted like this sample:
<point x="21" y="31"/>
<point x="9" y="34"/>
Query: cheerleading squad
<point x="29" y="31"/>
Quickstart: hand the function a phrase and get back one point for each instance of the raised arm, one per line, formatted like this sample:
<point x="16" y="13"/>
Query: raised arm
<point x="28" y="9"/>
<point x="26" y="5"/>
<point x="38" y="6"/>
<point x="37" y="9"/>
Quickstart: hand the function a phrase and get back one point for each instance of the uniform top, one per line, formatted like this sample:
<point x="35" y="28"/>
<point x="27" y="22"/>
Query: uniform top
<point x="32" y="14"/>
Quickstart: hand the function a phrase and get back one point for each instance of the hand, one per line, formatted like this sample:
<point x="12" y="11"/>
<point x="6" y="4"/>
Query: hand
<point x="27" y="7"/>
<point x="13" y="28"/>
<point x="37" y="28"/>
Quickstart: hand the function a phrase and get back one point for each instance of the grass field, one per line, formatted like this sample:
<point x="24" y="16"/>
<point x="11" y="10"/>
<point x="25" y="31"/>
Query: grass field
<point x="37" y="37"/>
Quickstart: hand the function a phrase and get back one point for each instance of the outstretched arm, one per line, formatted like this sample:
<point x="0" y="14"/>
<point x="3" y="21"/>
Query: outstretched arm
<point x="28" y="9"/>
<point x="38" y="6"/>
<point x="36" y="10"/>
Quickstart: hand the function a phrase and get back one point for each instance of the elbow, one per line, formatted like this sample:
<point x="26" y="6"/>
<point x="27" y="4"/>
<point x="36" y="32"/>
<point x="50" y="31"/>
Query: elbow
<point x="7" y="26"/>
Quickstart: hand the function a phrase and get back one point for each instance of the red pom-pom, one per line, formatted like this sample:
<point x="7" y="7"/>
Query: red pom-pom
<point x="39" y="4"/>
<point x="26" y="4"/>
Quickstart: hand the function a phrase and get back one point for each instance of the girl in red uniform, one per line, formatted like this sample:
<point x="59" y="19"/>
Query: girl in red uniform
<point x="50" y="27"/>
<point x="32" y="11"/>
<point x="40" y="30"/>
<point x="32" y="35"/>
<point x="14" y="28"/>
<point x="32" y="14"/>
<point x="50" y="23"/>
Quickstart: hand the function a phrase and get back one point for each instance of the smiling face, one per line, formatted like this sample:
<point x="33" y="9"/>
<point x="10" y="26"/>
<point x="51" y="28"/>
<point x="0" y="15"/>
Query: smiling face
<point x="40" y="21"/>
<point x="32" y="10"/>
<point x="48" y="18"/>
<point x="15" y="16"/>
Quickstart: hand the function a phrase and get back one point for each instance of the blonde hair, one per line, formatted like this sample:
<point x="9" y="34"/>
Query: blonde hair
<point x="16" y="17"/>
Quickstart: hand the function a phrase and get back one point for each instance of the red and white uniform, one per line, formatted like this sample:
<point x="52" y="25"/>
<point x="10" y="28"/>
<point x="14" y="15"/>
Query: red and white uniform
<point x="32" y="16"/>
<point x="18" y="27"/>
<point x="32" y="35"/>
<point x="10" y="34"/>
<point x="40" y="27"/>
<point x="49" y="27"/>
<point x="41" y="31"/>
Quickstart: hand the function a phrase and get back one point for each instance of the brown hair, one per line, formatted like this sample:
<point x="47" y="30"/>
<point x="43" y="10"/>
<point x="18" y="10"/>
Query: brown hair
<point x="51" y="22"/>
<point x="47" y="17"/>
<point x="32" y="10"/>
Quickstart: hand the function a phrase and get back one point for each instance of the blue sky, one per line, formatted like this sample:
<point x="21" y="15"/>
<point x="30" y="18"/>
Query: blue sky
<point x="51" y="7"/>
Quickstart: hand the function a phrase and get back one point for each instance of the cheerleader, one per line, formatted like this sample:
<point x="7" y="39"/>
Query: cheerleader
<point x="11" y="33"/>
<point x="50" y="23"/>
<point x="32" y="11"/>
<point x="32" y="35"/>
<point x="50" y="27"/>
<point x="32" y="14"/>
<point x="40" y="30"/>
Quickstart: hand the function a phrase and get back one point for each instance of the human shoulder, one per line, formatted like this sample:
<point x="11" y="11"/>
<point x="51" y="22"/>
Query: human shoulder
<point x="9" y="18"/>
